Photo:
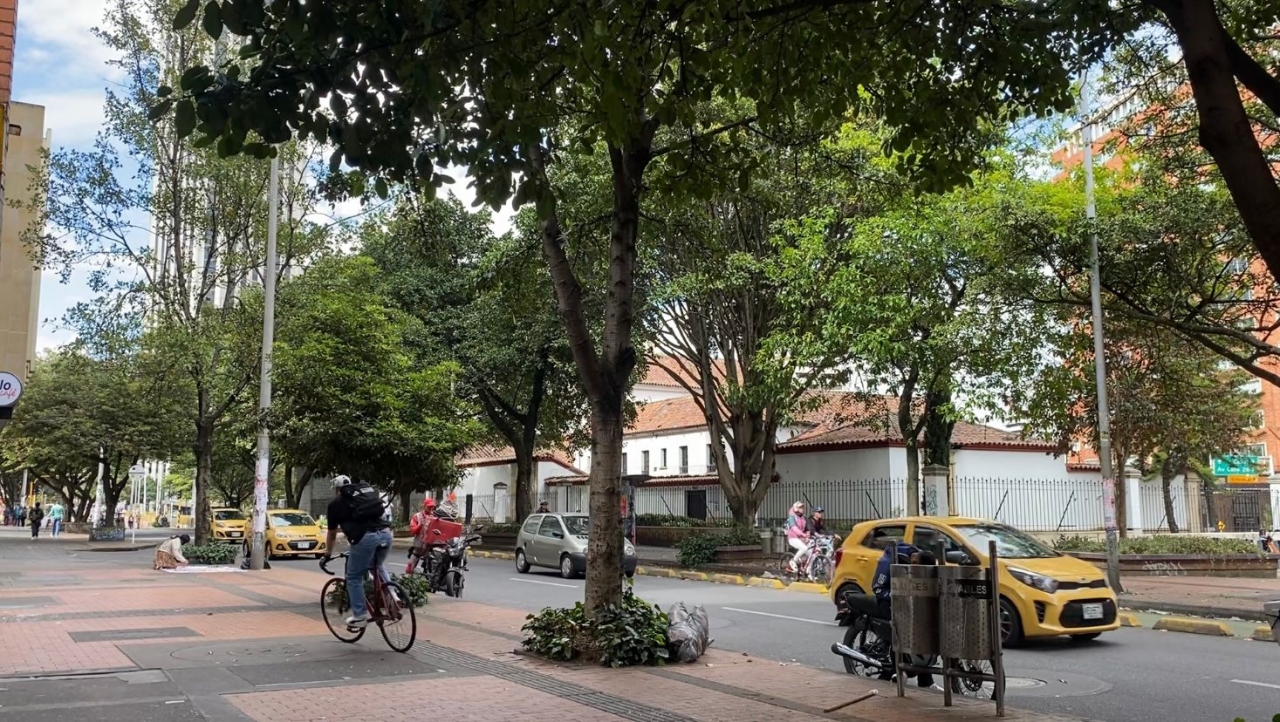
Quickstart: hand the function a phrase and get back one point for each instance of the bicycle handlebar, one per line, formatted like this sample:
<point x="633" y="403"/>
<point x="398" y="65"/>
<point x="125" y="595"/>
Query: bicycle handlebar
<point x="324" y="563"/>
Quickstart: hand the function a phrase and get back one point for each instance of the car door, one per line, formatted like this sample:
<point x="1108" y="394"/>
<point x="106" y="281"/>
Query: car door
<point x="866" y="554"/>
<point x="547" y="545"/>
<point x="927" y="537"/>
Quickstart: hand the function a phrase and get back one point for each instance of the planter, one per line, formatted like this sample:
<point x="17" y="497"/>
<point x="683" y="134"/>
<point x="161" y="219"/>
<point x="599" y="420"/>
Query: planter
<point x="78" y="527"/>
<point x="668" y="536"/>
<point x="1180" y="565"/>
<point x="505" y="541"/>
<point x="740" y="555"/>
<point x="107" y="534"/>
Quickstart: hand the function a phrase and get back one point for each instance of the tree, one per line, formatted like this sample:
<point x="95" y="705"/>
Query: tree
<point x="487" y="304"/>
<point x="923" y="305"/>
<point x="206" y="214"/>
<point x="511" y="89"/>
<point x="1170" y="403"/>
<point x="349" y="395"/>
<point x="725" y="327"/>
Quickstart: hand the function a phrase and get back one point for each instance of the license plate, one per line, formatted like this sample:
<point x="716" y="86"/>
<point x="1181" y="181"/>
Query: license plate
<point x="307" y="545"/>
<point x="1092" y="611"/>
<point x="235" y="533"/>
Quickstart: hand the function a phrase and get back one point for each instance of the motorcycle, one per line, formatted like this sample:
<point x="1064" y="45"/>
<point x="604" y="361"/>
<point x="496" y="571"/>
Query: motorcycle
<point x="443" y="564"/>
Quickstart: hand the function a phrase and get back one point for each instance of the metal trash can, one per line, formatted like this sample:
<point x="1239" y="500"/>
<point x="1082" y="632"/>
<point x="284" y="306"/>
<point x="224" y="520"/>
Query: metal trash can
<point x="1273" y="612"/>
<point x="964" y="594"/>
<point x="915" y="608"/>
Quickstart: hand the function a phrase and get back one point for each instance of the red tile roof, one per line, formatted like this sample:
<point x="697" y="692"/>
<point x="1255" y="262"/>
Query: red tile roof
<point x="659" y="372"/>
<point x="491" y="455"/>
<point x="884" y="431"/>
<point x="828" y="409"/>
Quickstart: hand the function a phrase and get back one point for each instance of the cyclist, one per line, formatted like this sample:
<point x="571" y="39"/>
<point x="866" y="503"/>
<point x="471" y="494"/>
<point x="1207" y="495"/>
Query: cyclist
<point x="798" y="536"/>
<point x="357" y="510"/>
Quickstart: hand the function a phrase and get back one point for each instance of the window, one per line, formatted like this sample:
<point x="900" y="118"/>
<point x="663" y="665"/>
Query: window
<point x="551" y="528"/>
<point x="711" y="460"/>
<point x="664" y="459"/>
<point x="684" y="460"/>
<point x="644" y="462"/>
<point x="883" y="534"/>
<point x="292" y="518"/>
<point x="928" y="538"/>
<point x="1259" y="420"/>
<point x="1010" y="543"/>
<point x="624" y="463"/>
<point x="1252" y="387"/>
<point x="228" y="515"/>
<point x="531" y="524"/>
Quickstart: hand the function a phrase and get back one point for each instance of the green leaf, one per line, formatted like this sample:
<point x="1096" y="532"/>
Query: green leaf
<point x="231" y="18"/>
<point x="186" y="14"/>
<point x="213" y="20"/>
<point x="164" y="91"/>
<point x="159" y="110"/>
<point x="185" y="122"/>
<point x="380" y="187"/>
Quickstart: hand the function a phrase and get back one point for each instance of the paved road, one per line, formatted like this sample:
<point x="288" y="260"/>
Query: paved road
<point x="1132" y="675"/>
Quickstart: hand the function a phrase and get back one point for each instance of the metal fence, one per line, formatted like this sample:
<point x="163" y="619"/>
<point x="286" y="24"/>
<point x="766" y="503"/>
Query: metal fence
<point x="1068" y="505"/>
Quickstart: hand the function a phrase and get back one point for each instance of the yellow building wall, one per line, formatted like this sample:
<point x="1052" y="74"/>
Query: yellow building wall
<point x="19" y="278"/>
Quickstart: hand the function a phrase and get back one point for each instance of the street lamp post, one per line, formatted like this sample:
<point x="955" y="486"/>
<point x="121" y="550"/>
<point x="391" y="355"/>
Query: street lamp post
<point x="257" y="558"/>
<point x="137" y="475"/>
<point x="1099" y="359"/>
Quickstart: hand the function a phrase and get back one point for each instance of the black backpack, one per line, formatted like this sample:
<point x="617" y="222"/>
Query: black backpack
<point x="366" y="505"/>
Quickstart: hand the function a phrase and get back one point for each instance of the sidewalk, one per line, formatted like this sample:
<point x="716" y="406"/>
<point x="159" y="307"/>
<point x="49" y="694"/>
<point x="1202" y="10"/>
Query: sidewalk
<point x="1204" y="596"/>
<point x="133" y="644"/>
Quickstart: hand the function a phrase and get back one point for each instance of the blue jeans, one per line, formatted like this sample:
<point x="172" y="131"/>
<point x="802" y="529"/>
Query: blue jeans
<point x="57" y="527"/>
<point x="372" y="549"/>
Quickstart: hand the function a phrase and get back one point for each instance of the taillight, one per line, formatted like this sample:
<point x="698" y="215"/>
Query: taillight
<point x="839" y="554"/>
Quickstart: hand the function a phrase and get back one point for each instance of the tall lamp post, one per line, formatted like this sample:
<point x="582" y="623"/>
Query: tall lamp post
<point x="1099" y="359"/>
<point x="137" y="475"/>
<point x="261" y="480"/>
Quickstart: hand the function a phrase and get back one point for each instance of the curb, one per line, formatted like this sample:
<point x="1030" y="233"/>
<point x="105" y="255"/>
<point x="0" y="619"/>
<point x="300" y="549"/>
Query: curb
<point x="1262" y="634"/>
<point x="740" y="580"/>
<point x="1128" y="620"/>
<point x="1195" y="610"/>
<point x="1193" y="626"/>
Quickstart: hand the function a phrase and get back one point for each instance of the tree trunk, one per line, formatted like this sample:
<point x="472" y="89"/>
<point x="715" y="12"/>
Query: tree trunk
<point x="604" y="548"/>
<point x="1225" y="130"/>
<point x="202" y="510"/>
<point x="911" y="440"/>
<point x="293" y="490"/>
<point x="1118" y="470"/>
<point x="1168" y="470"/>
<point x="938" y="427"/>
<point x="913" y="478"/>
<point x="1210" y="508"/>
<point x="525" y="488"/>
<point x="406" y="507"/>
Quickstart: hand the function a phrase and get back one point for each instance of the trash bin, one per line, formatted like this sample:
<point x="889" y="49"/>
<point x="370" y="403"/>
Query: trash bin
<point x="915" y="608"/>
<point x="1273" y="612"/>
<point x="964" y="594"/>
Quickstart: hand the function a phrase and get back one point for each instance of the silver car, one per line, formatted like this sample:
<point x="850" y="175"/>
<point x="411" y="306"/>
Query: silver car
<point x="559" y="541"/>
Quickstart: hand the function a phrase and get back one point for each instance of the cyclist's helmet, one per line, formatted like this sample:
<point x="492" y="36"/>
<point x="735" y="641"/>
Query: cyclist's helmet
<point x="817" y="510"/>
<point x="340" y="481"/>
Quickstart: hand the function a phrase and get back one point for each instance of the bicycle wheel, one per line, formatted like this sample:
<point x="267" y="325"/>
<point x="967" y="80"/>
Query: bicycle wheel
<point x="398" y="623"/>
<point x="334" y="606"/>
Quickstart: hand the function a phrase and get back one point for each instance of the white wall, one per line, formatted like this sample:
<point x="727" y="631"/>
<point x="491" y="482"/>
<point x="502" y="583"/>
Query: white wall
<point x="1006" y="464"/>
<point x="835" y="465"/>
<point x="644" y="393"/>
<point x="634" y="446"/>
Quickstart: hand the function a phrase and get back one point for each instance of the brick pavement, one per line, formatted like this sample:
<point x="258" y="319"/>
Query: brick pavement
<point x="263" y="615"/>
<point x="1220" y="596"/>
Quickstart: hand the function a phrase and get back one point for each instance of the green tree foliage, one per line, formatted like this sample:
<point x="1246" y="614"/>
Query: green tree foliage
<point x="350" y="395"/>
<point x="511" y="89"/>
<point x="487" y="304"/>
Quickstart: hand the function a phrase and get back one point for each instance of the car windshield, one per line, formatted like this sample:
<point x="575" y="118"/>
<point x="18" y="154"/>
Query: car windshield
<point x="228" y="515"/>
<point x="1010" y="543"/>
<point x="292" y="518"/>
<point x="577" y="525"/>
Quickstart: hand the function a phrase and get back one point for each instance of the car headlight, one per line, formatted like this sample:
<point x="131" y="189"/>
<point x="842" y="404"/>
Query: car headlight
<point x="627" y="548"/>
<point x="1045" y="584"/>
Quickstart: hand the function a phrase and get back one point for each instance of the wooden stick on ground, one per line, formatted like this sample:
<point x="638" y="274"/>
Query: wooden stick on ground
<point x="854" y="701"/>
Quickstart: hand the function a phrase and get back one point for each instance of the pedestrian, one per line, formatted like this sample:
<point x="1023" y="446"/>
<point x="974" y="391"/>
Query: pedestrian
<point x="55" y="514"/>
<point x="8" y="516"/>
<point x="543" y="508"/>
<point x="22" y="515"/>
<point x="169" y="554"/>
<point x="37" y="517"/>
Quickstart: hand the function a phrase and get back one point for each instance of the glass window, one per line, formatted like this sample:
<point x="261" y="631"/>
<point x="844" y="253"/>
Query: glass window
<point x="624" y="463"/>
<point x="292" y="518"/>
<point x="550" y="527"/>
<point x="1010" y="543"/>
<point x="684" y="459"/>
<point x="644" y="462"/>
<point x="664" y="458"/>
<point x="927" y="539"/>
<point x="228" y="515"/>
<point x="885" y="533"/>
<point x="578" y="525"/>
<point x="531" y="524"/>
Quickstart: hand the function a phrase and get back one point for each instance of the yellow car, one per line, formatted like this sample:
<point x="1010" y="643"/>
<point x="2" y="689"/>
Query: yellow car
<point x="292" y="532"/>
<point x="1042" y="593"/>
<point x="229" y="525"/>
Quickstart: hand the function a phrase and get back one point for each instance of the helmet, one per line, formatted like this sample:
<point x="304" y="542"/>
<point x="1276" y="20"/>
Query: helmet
<point x="817" y="510"/>
<point x="340" y="480"/>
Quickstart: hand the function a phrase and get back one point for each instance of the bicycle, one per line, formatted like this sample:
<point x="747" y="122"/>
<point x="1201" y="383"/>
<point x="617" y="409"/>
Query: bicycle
<point x="388" y="608"/>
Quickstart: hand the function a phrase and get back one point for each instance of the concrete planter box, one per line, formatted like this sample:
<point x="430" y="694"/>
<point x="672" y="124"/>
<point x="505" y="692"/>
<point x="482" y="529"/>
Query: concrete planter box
<point x="107" y="534"/>
<point x="78" y="527"/>
<point x="669" y="536"/>
<point x="740" y="555"/>
<point x="1178" y="565"/>
<point x="504" y="541"/>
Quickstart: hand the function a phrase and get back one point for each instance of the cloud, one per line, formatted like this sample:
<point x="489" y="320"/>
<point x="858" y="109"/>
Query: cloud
<point x="61" y="30"/>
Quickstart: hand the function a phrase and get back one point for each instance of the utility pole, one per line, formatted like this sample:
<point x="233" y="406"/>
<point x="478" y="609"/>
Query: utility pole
<point x="1099" y="358"/>
<point x="261" y="477"/>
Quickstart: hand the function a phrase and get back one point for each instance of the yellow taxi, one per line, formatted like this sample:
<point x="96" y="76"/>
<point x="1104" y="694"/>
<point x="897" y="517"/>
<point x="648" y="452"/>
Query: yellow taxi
<point x="292" y="532"/>
<point x="229" y="525"/>
<point x="1042" y="593"/>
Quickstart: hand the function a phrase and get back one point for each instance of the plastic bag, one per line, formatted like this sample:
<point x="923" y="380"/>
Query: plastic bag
<point x="688" y="633"/>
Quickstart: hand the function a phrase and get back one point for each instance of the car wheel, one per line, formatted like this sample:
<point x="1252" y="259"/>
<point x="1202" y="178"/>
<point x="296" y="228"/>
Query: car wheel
<point x="522" y="564"/>
<point x="1010" y="624"/>
<point x="566" y="567"/>
<point x="1085" y="637"/>
<point x="846" y="588"/>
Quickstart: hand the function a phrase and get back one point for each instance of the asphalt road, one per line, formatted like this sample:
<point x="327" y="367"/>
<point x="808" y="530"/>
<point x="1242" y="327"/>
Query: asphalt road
<point x="1132" y="675"/>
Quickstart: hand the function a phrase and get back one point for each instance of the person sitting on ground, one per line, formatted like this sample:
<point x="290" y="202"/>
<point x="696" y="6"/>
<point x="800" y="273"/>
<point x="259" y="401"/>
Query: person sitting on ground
<point x="169" y="554"/>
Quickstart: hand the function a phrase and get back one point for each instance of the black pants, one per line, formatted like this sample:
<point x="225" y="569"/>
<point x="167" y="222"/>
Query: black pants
<point x="35" y="529"/>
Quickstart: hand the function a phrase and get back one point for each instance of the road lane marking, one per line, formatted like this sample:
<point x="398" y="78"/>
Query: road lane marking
<point x="549" y="584"/>
<point x="1256" y="684"/>
<point x="781" y="616"/>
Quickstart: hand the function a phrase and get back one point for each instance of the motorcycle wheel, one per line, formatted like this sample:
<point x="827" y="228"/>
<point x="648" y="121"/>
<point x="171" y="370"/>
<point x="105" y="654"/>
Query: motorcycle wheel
<point x="453" y="585"/>
<point x="861" y="637"/>
<point x="972" y="687"/>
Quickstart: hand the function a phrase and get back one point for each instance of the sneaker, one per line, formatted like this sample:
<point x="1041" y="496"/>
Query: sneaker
<point x="354" y="622"/>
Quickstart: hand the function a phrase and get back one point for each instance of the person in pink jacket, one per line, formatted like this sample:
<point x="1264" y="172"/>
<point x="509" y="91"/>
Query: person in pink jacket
<point x="798" y="535"/>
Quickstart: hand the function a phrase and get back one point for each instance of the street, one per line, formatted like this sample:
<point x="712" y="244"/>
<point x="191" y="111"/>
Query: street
<point x="1132" y="675"/>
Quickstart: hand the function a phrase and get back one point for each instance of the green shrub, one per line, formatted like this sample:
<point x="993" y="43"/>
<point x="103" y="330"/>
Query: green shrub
<point x="742" y="536"/>
<point x="1161" y="544"/>
<point x="698" y="549"/>
<point x="627" y="634"/>
<point x="503" y="528"/>
<point x="667" y="520"/>
<point x="415" y="586"/>
<point x="211" y="553"/>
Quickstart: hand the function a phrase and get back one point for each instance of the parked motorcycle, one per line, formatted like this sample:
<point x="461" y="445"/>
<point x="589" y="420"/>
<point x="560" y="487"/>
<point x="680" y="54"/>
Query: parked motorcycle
<point x="443" y="565"/>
